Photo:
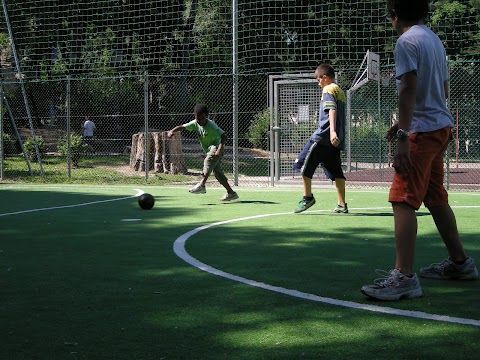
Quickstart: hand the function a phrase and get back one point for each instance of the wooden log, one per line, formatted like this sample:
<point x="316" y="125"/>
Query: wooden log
<point x="157" y="142"/>
<point x="133" y="150"/>
<point x="175" y="150"/>
<point x="165" y="157"/>
<point x="165" y="154"/>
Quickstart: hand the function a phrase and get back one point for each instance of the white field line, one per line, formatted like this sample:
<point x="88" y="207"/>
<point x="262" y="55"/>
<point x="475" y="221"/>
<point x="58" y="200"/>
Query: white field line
<point x="179" y="249"/>
<point x="139" y="192"/>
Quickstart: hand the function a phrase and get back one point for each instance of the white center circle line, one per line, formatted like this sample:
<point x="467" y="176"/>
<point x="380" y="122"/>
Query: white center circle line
<point x="179" y="249"/>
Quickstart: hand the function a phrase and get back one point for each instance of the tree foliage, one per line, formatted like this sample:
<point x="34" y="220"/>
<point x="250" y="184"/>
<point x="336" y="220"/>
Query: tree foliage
<point x="112" y="37"/>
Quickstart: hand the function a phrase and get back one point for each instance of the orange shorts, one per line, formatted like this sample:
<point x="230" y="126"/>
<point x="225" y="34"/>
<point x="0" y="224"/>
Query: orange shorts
<point x="424" y="182"/>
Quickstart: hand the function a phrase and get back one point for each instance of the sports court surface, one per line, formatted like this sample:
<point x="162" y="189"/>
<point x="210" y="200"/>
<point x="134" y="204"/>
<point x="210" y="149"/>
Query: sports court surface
<point x="87" y="274"/>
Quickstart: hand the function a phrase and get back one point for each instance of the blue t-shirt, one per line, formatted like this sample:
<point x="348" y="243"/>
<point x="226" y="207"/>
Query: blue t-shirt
<point x="334" y="98"/>
<point x="209" y="135"/>
<point x="420" y="50"/>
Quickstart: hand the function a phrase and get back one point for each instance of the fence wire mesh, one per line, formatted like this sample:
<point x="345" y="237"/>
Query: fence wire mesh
<point x="137" y="66"/>
<point x="368" y="155"/>
<point x="123" y="107"/>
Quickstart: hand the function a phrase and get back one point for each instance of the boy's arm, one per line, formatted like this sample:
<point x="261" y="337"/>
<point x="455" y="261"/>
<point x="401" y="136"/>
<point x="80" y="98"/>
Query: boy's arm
<point x="222" y="143"/>
<point x="332" y="117"/>
<point x="406" y="106"/>
<point x="406" y="100"/>
<point x="174" y="130"/>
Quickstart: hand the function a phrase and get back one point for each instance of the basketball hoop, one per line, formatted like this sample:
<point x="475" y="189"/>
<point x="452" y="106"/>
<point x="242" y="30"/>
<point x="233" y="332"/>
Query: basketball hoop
<point x="386" y="77"/>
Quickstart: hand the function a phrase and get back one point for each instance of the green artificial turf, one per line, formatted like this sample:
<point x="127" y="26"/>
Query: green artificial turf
<point x="101" y="280"/>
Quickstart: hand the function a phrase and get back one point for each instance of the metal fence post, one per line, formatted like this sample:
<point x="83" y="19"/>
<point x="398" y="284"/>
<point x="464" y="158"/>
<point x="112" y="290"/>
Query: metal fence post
<point x="1" y="131"/>
<point x="147" y="143"/>
<point x="69" y="150"/>
<point x="348" y="130"/>
<point x="235" y="89"/>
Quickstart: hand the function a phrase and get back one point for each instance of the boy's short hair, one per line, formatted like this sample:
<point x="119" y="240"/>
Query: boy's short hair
<point x="409" y="10"/>
<point x="326" y="69"/>
<point x="201" y="109"/>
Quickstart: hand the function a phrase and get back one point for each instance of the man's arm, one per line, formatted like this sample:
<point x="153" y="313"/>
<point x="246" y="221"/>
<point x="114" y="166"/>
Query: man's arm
<point x="406" y="106"/>
<point x="406" y="100"/>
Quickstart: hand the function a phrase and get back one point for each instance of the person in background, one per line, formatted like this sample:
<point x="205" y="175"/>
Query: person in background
<point x="88" y="128"/>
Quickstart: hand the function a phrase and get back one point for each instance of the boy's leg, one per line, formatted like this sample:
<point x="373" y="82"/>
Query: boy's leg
<point x="222" y="179"/>
<point x="307" y="186"/>
<point x="332" y="167"/>
<point x="458" y="265"/>
<point x="308" y="200"/>
<point x="309" y="158"/>
<point x="209" y="164"/>
<point x="207" y="170"/>
<point x="436" y="200"/>
<point x="219" y="174"/>
<point x="204" y="179"/>
<point x="447" y="227"/>
<point x="405" y="224"/>
<point x="340" y="186"/>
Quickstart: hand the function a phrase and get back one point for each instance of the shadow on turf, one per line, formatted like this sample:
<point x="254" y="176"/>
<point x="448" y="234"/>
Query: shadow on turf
<point x="247" y="202"/>
<point x="360" y="214"/>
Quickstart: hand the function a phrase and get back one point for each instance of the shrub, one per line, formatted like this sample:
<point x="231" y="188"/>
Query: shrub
<point x="29" y="147"/>
<point x="257" y="132"/>
<point x="77" y="148"/>
<point x="9" y="145"/>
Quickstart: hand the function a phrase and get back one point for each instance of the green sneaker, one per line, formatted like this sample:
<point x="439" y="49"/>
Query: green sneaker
<point x="304" y="204"/>
<point x="341" y="209"/>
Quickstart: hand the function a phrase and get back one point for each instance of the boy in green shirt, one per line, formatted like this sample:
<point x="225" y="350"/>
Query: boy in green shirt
<point x="212" y="139"/>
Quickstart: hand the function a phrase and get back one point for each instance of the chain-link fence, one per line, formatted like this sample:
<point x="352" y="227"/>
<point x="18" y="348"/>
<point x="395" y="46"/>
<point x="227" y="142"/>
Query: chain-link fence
<point x="372" y="109"/>
<point x="122" y="108"/>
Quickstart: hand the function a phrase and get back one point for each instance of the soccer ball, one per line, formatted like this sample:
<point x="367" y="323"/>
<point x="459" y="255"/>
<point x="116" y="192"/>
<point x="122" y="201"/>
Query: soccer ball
<point x="146" y="201"/>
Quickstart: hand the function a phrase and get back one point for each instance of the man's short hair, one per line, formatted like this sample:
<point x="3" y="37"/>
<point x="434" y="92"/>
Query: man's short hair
<point x="408" y="10"/>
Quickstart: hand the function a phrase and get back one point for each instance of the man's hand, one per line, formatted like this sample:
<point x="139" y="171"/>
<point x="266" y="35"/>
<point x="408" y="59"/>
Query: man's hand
<point x="392" y="133"/>
<point x="401" y="159"/>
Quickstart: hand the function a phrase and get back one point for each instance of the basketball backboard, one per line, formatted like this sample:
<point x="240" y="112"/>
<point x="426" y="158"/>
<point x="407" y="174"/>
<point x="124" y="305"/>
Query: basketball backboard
<point x="373" y="65"/>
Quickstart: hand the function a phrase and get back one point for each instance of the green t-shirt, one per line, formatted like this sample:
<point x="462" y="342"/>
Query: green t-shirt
<point x="209" y="135"/>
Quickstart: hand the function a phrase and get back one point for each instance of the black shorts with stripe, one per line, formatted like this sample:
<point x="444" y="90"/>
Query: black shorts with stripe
<point x="315" y="154"/>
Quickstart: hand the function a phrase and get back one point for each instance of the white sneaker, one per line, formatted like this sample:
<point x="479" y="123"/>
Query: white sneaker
<point x="393" y="286"/>
<point x="229" y="197"/>
<point x="198" y="189"/>
<point x="448" y="270"/>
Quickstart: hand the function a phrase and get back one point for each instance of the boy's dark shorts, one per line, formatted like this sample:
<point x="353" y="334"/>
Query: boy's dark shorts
<point x="314" y="154"/>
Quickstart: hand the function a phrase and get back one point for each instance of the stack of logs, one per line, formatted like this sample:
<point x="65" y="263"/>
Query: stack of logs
<point x="165" y="154"/>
